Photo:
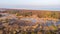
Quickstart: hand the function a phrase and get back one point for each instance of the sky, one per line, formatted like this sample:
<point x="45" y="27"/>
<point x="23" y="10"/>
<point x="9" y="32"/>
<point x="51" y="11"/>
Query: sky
<point x="31" y="4"/>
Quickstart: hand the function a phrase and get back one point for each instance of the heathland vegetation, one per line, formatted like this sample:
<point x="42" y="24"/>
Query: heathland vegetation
<point x="13" y="21"/>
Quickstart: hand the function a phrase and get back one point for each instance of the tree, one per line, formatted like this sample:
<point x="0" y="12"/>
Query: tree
<point x="0" y="15"/>
<point x="55" y="15"/>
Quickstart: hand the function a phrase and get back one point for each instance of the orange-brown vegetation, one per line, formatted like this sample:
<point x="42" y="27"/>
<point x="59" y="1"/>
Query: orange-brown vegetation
<point x="14" y="21"/>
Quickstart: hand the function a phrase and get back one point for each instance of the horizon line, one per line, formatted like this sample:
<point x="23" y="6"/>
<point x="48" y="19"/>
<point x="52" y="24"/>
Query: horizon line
<point x="28" y="9"/>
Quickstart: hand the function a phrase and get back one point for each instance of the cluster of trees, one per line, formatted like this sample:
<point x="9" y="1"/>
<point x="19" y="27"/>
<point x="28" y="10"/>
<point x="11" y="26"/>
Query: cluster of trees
<point x="24" y="14"/>
<point x="40" y="14"/>
<point x="49" y="15"/>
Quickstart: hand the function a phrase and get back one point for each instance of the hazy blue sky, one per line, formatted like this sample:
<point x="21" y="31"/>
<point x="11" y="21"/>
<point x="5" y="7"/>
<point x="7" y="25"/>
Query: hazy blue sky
<point x="31" y="4"/>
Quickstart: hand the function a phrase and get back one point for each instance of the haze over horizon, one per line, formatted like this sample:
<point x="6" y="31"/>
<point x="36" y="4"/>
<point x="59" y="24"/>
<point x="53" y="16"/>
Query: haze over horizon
<point x="31" y="4"/>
